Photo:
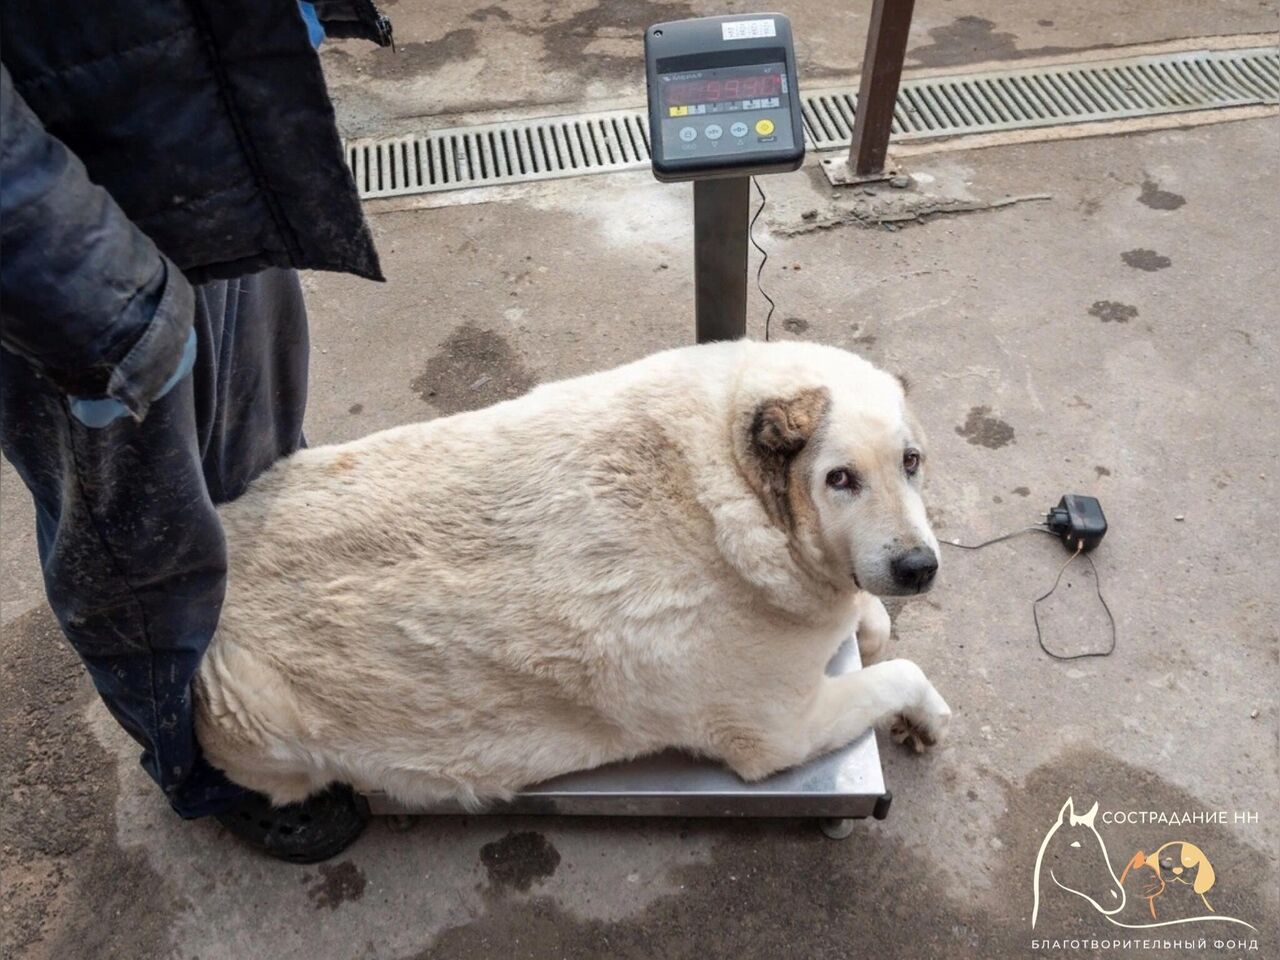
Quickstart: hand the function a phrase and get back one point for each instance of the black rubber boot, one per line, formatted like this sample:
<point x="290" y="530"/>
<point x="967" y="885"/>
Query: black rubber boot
<point x="316" y="829"/>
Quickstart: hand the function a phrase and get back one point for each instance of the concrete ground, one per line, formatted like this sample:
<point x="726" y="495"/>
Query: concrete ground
<point x="1118" y="339"/>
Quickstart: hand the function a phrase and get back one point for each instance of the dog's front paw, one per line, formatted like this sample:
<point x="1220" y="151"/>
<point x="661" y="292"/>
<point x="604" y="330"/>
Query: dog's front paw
<point x="923" y="725"/>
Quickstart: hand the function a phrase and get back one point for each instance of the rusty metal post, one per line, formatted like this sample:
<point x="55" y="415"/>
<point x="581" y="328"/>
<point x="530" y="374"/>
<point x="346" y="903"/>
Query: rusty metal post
<point x="878" y="88"/>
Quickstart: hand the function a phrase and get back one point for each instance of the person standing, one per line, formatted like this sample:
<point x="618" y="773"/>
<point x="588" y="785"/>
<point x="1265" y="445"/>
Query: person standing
<point x="165" y="169"/>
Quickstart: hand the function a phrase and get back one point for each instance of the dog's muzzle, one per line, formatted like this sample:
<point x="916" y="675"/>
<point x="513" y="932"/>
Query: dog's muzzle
<point x="914" y="570"/>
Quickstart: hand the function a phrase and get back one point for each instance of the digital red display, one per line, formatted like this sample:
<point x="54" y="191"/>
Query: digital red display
<point x="715" y="90"/>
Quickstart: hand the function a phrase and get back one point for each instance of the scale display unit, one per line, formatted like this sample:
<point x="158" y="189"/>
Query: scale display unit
<point x="723" y="99"/>
<point x="723" y="107"/>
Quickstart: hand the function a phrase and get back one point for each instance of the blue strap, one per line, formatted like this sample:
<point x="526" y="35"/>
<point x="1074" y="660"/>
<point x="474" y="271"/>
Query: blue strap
<point x="315" y="29"/>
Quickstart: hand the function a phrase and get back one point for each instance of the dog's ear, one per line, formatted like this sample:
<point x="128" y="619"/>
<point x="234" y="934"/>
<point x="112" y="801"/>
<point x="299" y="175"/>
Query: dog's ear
<point x="1193" y="856"/>
<point x="778" y="431"/>
<point x="781" y="427"/>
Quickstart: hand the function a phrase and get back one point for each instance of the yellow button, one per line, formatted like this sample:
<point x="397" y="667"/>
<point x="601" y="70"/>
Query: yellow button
<point x="679" y="111"/>
<point x="764" y="127"/>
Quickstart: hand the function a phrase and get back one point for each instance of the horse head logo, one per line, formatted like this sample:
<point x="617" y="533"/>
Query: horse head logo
<point x="1075" y="859"/>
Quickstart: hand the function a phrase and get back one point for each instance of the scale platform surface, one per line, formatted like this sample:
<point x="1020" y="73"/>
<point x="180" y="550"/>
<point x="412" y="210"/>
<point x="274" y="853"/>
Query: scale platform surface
<point x="843" y="785"/>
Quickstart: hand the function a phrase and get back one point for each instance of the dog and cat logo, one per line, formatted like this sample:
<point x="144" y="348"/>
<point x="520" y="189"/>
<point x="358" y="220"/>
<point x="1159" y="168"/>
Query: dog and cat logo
<point x="1175" y="880"/>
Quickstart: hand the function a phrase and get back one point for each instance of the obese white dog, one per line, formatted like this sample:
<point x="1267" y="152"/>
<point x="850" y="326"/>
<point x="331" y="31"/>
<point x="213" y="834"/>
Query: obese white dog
<point x="662" y="555"/>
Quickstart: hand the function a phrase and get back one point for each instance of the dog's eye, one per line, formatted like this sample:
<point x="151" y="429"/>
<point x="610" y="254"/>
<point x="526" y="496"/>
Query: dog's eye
<point x="842" y="479"/>
<point x="911" y="462"/>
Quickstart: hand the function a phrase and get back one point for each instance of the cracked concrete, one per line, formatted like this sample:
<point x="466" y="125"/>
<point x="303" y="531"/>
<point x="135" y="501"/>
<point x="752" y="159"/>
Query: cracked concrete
<point x="1040" y="363"/>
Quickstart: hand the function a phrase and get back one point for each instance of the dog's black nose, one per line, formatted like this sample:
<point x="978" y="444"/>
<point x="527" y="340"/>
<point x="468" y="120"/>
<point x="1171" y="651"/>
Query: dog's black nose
<point x="914" y="570"/>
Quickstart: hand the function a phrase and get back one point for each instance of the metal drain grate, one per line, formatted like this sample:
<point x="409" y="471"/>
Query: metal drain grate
<point x="497" y="153"/>
<point x="539" y="149"/>
<point x="1016" y="99"/>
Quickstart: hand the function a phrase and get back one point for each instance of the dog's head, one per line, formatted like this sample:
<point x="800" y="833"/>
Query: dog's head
<point x="838" y="461"/>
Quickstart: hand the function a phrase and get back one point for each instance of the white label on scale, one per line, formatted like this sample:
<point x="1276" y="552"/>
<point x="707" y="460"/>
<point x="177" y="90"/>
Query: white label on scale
<point x="748" y="29"/>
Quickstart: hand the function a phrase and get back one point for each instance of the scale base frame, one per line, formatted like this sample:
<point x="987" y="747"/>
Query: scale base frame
<point x="844" y="785"/>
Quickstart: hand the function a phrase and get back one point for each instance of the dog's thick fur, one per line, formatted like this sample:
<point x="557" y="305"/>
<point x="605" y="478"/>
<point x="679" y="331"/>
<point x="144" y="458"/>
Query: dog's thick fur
<point x="639" y="559"/>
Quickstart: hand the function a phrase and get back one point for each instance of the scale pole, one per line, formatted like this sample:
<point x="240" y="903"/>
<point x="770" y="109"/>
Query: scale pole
<point x="721" y="209"/>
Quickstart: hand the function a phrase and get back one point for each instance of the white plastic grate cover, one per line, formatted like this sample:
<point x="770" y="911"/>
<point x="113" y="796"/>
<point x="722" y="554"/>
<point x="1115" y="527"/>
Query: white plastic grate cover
<point x="1010" y="99"/>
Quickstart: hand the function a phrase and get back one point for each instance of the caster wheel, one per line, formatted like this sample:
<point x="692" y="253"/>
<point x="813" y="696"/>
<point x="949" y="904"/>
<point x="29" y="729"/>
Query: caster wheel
<point x="835" y="827"/>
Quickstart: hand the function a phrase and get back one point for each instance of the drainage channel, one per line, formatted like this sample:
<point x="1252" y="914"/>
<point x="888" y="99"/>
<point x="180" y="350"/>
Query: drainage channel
<point x="543" y="148"/>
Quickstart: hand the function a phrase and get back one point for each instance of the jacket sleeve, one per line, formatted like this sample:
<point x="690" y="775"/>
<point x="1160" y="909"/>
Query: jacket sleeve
<point x="85" y="296"/>
<point x="358" y="19"/>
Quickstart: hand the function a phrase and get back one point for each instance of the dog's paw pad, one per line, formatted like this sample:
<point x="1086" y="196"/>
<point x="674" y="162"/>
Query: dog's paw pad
<point x="912" y="734"/>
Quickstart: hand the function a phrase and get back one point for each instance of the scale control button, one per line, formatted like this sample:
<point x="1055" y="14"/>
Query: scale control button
<point x="738" y="129"/>
<point x="688" y="134"/>
<point x="713" y="131"/>
<point x="764" y="127"/>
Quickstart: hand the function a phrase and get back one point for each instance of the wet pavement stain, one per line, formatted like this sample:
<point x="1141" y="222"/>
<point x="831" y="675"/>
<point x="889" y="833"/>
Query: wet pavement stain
<point x="414" y="59"/>
<point x="780" y="889"/>
<point x="968" y="39"/>
<point x="607" y="38"/>
<point x="1157" y="199"/>
<point x="484" y="13"/>
<point x="1101" y="471"/>
<point x="69" y="890"/>
<point x="759" y="897"/>
<point x="1111" y="311"/>
<point x="475" y="368"/>
<point x="983" y="430"/>
<point x="355" y="408"/>
<point x="1021" y="491"/>
<point x="795" y="325"/>
<point x="337" y="884"/>
<point x="518" y="859"/>
<point x="1147" y="260"/>
<point x="1087" y="776"/>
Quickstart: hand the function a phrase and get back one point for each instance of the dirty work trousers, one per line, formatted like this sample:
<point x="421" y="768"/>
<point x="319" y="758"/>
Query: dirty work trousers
<point x="133" y="554"/>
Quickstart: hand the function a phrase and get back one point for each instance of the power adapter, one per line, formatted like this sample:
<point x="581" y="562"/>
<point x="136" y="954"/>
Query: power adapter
<point x="1078" y="521"/>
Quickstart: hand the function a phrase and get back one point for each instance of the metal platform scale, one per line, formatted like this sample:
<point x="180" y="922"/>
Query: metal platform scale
<point x="723" y="107"/>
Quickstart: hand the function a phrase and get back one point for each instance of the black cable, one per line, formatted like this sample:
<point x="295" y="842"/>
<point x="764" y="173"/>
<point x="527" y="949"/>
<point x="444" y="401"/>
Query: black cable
<point x="1001" y="539"/>
<point x="764" y="257"/>
<point x="1035" y="604"/>
<point x="1035" y="614"/>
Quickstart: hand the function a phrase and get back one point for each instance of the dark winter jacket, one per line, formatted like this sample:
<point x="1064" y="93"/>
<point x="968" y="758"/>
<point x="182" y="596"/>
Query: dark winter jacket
<point x="149" y="144"/>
